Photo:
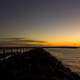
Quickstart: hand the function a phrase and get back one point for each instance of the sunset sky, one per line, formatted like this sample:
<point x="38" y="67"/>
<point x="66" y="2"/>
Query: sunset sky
<point x="54" y="21"/>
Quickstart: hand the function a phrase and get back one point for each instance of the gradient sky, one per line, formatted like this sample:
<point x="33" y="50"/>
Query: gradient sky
<point x="45" y="20"/>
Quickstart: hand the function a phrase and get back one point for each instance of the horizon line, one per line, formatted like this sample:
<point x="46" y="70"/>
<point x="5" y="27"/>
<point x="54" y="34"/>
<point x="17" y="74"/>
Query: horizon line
<point x="43" y="47"/>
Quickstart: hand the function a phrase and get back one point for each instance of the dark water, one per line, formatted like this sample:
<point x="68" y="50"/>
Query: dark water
<point x="69" y="57"/>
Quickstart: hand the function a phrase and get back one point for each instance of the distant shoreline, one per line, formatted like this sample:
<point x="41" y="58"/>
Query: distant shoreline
<point x="44" y="47"/>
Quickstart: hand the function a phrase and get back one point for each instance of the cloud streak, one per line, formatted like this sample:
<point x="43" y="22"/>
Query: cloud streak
<point x="20" y="42"/>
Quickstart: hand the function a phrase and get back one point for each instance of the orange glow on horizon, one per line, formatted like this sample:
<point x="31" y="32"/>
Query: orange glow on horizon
<point x="64" y="43"/>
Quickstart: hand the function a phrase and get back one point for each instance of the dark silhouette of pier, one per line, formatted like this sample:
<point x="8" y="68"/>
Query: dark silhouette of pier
<point x="12" y="49"/>
<point x="36" y="64"/>
<point x="4" y="50"/>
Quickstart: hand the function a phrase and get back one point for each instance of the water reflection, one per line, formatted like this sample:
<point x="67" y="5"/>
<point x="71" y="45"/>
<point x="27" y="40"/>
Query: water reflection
<point x="70" y="57"/>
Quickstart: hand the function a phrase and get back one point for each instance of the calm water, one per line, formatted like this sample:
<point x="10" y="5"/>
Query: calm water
<point x="69" y="57"/>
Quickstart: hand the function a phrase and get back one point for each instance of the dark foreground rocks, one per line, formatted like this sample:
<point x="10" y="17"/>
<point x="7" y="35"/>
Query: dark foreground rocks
<point x="36" y="64"/>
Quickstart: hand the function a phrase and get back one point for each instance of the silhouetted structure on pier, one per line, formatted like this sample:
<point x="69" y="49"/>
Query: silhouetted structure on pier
<point x="36" y="64"/>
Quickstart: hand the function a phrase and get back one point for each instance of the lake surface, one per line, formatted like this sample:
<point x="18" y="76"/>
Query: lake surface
<point x="69" y="56"/>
